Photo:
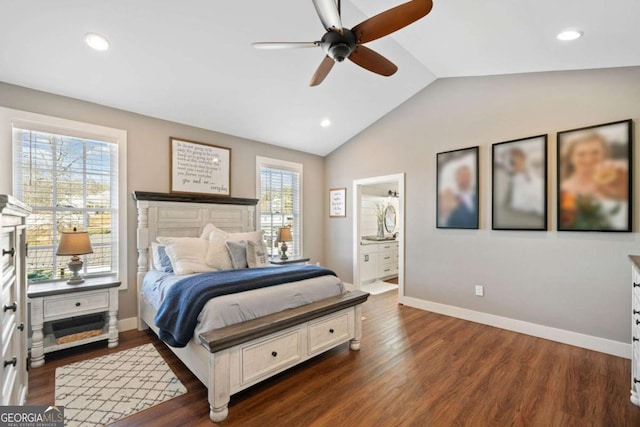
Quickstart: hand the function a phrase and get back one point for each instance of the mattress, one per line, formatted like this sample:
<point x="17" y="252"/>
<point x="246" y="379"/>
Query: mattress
<point x="236" y="308"/>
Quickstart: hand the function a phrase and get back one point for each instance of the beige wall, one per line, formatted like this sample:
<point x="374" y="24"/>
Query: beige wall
<point x="574" y="281"/>
<point x="148" y="163"/>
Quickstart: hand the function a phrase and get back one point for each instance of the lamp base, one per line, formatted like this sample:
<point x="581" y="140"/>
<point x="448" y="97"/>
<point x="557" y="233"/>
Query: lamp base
<point x="283" y="248"/>
<point x="75" y="265"/>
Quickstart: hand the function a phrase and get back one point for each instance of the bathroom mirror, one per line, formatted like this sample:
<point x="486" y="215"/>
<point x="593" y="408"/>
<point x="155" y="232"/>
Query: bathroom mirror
<point x="390" y="219"/>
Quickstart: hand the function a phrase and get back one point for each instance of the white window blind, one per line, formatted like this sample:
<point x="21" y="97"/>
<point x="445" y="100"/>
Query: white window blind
<point x="69" y="182"/>
<point x="280" y="189"/>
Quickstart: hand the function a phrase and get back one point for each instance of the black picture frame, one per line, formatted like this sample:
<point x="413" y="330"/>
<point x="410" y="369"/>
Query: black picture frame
<point x="519" y="199"/>
<point x="457" y="209"/>
<point x="600" y="196"/>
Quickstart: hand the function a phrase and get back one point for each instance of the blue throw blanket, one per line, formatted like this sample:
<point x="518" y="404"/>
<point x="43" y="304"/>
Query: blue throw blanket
<point x="178" y="313"/>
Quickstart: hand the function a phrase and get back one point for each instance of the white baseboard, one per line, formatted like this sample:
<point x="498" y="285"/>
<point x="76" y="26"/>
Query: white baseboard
<point x="590" y="342"/>
<point x="127" y="324"/>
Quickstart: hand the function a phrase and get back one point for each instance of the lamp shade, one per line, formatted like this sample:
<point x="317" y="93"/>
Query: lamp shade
<point x="74" y="243"/>
<point x="284" y="234"/>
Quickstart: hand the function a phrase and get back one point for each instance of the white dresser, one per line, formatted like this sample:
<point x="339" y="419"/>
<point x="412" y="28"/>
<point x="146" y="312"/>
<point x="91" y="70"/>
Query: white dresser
<point x="13" y="299"/>
<point x="635" y="329"/>
<point x="378" y="260"/>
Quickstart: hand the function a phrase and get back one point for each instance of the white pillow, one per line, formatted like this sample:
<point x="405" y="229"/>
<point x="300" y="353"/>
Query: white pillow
<point x="257" y="254"/>
<point x="217" y="254"/>
<point x="187" y="254"/>
<point x="206" y="231"/>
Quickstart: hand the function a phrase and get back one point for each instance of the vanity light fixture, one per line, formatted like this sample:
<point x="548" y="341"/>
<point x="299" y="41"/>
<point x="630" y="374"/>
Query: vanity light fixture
<point x="325" y="123"/>
<point x="568" y="35"/>
<point x="96" y="41"/>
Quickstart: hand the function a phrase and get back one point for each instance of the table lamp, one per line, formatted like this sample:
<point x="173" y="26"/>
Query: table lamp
<point x="74" y="243"/>
<point x="284" y="235"/>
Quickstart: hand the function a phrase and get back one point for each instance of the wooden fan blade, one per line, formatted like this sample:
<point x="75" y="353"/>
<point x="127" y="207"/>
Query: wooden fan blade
<point x="329" y="15"/>
<point x="284" y="45"/>
<point x="373" y="61"/>
<point x="391" y="20"/>
<point x="325" y="66"/>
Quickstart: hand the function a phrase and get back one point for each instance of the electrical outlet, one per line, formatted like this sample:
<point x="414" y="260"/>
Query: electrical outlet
<point x="479" y="290"/>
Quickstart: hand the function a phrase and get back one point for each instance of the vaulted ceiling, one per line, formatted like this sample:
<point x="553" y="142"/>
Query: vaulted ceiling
<point x="192" y="62"/>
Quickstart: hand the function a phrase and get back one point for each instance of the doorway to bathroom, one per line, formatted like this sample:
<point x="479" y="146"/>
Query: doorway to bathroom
<point x="378" y="234"/>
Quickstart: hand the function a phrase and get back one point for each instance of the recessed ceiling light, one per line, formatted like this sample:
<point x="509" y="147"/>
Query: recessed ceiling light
<point x="96" y="41"/>
<point x="568" y="35"/>
<point x="325" y="123"/>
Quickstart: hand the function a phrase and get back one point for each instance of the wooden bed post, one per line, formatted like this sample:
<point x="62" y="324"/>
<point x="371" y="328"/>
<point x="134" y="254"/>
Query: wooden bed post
<point x="143" y="251"/>
<point x="354" y="344"/>
<point x="219" y="385"/>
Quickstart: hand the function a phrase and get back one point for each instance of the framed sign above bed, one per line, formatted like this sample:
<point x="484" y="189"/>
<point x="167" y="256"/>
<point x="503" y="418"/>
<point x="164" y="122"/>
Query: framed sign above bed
<point x="198" y="168"/>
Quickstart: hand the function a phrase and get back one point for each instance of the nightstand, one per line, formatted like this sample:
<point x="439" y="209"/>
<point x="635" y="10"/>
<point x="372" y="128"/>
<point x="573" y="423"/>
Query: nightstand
<point x="278" y="261"/>
<point x="56" y="301"/>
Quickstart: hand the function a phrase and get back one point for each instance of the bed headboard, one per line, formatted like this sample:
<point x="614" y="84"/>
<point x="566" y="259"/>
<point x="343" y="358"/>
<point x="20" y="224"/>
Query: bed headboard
<point x="185" y="215"/>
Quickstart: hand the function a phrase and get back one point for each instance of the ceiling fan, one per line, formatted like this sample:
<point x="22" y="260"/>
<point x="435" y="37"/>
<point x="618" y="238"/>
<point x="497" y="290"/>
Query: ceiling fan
<point x="341" y="43"/>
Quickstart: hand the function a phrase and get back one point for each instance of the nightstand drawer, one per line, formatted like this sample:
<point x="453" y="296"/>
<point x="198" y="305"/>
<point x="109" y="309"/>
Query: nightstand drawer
<point x="327" y="332"/>
<point x="71" y="305"/>
<point x="266" y="357"/>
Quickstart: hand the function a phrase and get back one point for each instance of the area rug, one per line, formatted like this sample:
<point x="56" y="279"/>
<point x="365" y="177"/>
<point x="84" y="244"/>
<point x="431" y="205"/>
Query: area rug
<point x="102" y="390"/>
<point x="378" y="287"/>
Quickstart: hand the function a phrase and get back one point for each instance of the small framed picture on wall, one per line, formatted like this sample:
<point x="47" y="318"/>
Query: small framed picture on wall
<point x="457" y="189"/>
<point x="519" y="184"/>
<point x="337" y="202"/>
<point x="594" y="178"/>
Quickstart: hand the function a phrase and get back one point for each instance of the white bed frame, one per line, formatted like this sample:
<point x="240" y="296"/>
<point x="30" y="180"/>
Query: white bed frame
<point x="231" y="359"/>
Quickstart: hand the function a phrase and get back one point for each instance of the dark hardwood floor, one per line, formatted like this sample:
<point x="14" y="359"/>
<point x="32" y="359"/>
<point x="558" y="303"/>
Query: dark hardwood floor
<point x="415" y="368"/>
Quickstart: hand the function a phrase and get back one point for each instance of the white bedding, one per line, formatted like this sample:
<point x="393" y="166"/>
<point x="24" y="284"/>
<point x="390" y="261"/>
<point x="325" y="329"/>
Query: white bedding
<point x="235" y="308"/>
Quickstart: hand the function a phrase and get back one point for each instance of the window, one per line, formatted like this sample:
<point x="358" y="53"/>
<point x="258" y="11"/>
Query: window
<point x="279" y="188"/>
<point x="70" y="178"/>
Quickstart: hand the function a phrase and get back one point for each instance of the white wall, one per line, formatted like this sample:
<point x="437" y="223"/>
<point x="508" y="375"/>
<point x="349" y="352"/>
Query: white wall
<point x="148" y="164"/>
<point x="573" y="281"/>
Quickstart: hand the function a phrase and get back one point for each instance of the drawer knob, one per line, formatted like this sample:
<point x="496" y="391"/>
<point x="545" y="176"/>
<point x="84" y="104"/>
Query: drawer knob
<point x="13" y="307"/>
<point x="331" y="331"/>
<point x="274" y="353"/>
<point x="634" y="339"/>
<point x="21" y="327"/>
<point x="636" y="285"/>
<point x="10" y="252"/>
<point x="13" y="362"/>
<point x="637" y="322"/>
<point x="77" y="304"/>
<point x="635" y="380"/>
<point x="636" y="311"/>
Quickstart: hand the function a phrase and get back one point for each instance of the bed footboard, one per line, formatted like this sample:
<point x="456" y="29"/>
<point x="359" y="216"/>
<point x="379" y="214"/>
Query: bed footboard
<point x="247" y="353"/>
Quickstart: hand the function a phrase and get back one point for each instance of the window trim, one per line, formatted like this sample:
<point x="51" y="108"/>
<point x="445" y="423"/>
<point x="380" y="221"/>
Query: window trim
<point x="43" y="123"/>
<point x="285" y="165"/>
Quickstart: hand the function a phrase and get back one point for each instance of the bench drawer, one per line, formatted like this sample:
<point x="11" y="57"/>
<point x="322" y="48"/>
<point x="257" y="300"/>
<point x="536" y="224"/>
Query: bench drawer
<point x="327" y="332"/>
<point x="264" y="358"/>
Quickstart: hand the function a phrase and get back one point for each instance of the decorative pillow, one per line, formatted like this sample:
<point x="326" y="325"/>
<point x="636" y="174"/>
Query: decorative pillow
<point x="206" y="231"/>
<point x="161" y="260"/>
<point x="217" y="254"/>
<point x="187" y="254"/>
<point x="238" y="254"/>
<point x="257" y="254"/>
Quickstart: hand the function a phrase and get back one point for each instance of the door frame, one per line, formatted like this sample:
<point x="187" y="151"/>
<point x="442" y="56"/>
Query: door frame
<point x="398" y="178"/>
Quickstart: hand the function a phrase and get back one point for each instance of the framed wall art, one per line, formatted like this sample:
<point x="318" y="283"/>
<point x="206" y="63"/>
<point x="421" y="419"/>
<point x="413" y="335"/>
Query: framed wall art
<point x="519" y="184"/>
<point x="337" y="202"/>
<point x="199" y="168"/>
<point x="594" y="178"/>
<point x="457" y="189"/>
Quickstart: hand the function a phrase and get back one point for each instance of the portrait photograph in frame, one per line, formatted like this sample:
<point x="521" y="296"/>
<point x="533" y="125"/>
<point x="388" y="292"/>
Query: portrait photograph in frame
<point x="457" y="189"/>
<point x="337" y="202"/>
<point x="594" y="169"/>
<point x="519" y="184"/>
<point x="199" y="168"/>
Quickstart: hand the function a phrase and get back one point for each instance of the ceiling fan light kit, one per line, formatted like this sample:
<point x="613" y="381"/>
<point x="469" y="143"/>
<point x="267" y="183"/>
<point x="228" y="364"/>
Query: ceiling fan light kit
<point x="341" y="43"/>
